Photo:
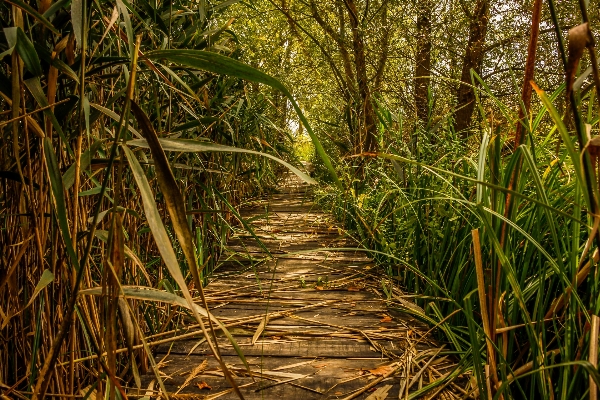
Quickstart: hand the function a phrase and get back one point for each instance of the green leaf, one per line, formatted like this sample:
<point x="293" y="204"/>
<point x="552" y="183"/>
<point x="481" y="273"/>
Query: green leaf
<point x="159" y="232"/>
<point x="168" y="185"/>
<point x="45" y="280"/>
<point x="77" y="21"/>
<point x="35" y="88"/>
<point x="84" y="162"/>
<point x="224" y="4"/>
<point x="219" y="64"/>
<point x="150" y="294"/>
<point x="103" y="235"/>
<point x="163" y="242"/>
<point x="481" y="165"/>
<point x="128" y="29"/>
<point x="180" y="81"/>
<point x="86" y="114"/>
<point x="195" y="146"/>
<point x="64" y="68"/>
<point x="528" y="157"/>
<point x="102" y="214"/>
<point x="244" y="222"/>
<point x="176" y="209"/>
<point x="28" y="54"/>
<point x="115" y="117"/>
<point x="441" y="172"/>
<point x="90" y="192"/>
<point x="564" y="133"/>
<point x="53" y="9"/>
<point x="58" y="194"/>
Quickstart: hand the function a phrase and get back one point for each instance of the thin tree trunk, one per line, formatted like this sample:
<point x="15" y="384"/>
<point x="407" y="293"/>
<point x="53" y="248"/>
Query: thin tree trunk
<point x="423" y="60"/>
<point x="342" y="46"/>
<point x="384" y="46"/>
<point x="529" y="71"/>
<point x="367" y="138"/>
<point x="472" y="61"/>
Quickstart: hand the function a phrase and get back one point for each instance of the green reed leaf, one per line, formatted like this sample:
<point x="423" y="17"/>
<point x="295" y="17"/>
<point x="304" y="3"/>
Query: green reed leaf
<point x="195" y="146"/>
<point x="220" y="64"/>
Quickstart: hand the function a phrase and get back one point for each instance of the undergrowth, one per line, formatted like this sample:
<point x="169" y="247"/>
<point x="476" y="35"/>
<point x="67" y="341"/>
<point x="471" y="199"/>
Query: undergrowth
<point x="436" y="223"/>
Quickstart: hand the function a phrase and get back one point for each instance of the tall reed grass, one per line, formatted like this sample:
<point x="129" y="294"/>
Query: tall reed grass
<point x="106" y="245"/>
<point x="512" y="291"/>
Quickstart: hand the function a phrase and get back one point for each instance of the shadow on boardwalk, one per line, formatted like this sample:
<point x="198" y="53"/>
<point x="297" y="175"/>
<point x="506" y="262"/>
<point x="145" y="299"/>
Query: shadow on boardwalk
<point x="331" y="331"/>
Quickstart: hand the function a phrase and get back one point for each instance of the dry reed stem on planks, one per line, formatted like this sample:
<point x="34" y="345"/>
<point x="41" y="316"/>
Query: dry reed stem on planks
<point x="394" y="368"/>
<point x="277" y="314"/>
<point x="418" y="374"/>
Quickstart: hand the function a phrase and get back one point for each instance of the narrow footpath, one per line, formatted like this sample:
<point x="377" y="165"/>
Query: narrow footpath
<point x="312" y="322"/>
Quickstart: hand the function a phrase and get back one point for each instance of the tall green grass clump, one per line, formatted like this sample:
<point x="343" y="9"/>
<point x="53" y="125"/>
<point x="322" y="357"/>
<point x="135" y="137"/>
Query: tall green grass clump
<point x="499" y="244"/>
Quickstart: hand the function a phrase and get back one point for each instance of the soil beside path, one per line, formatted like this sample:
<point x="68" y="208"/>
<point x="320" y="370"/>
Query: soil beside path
<point x="331" y="329"/>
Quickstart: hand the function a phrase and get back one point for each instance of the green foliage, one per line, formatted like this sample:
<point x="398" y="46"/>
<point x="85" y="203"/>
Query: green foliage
<point x="75" y="162"/>
<point x="417" y="217"/>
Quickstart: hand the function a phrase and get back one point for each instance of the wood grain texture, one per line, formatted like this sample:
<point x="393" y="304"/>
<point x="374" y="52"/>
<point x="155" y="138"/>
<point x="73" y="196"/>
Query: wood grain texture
<point x="329" y="323"/>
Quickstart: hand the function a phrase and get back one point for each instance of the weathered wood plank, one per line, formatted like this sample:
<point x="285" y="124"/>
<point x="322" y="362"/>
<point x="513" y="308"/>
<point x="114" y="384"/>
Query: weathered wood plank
<point x="329" y="348"/>
<point x="329" y="324"/>
<point x="331" y="377"/>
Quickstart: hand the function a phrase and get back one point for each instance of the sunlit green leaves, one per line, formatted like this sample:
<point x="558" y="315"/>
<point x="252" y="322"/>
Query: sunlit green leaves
<point x="219" y="64"/>
<point x="193" y="146"/>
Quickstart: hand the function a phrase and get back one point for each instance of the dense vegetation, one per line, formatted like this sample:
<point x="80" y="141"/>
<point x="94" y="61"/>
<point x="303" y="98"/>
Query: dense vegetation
<point x="455" y="140"/>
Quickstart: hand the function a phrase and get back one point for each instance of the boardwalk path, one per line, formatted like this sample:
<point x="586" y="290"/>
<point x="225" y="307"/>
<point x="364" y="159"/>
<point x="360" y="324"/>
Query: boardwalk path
<point x="331" y="329"/>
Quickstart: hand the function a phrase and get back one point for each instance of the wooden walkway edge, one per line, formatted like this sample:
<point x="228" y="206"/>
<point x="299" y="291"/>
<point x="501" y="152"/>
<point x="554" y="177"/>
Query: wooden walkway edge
<point x="312" y="324"/>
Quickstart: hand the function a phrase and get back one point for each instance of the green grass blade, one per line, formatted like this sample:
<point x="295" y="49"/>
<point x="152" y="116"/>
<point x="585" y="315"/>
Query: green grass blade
<point x="195" y="146"/>
<point x="58" y="194"/>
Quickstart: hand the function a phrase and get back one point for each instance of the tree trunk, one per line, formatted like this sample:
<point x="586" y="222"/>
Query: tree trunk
<point x="472" y="61"/>
<point x="529" y="71"/>
<point x="384" y="46"/>
<point x="423" y="60"/>
<point x="342" y="47"/>
<point x="367" y="138"/>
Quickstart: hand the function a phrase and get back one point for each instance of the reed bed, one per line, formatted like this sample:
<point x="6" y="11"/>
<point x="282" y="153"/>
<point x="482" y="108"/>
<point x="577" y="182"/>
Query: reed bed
<point x="123" y="159"/>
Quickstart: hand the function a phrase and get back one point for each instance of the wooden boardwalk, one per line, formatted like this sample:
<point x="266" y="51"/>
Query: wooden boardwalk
<point x="331" y="328"/>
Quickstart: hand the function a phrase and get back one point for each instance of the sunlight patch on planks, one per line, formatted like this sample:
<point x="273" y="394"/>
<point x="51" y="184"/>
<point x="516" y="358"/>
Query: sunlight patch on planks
<point x="312" y="324"/>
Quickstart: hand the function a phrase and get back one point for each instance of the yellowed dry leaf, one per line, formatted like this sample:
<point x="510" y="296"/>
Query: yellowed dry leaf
<point x="260" y="329"/>
<point x="203" y="385"/>
<point x="381" y="371"/>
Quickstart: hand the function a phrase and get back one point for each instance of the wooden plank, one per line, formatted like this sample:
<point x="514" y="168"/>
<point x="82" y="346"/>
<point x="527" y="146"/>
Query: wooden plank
<point x="333" y="348"/>
<point x="322" y="304"/>
<point x="331" y="377"/>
